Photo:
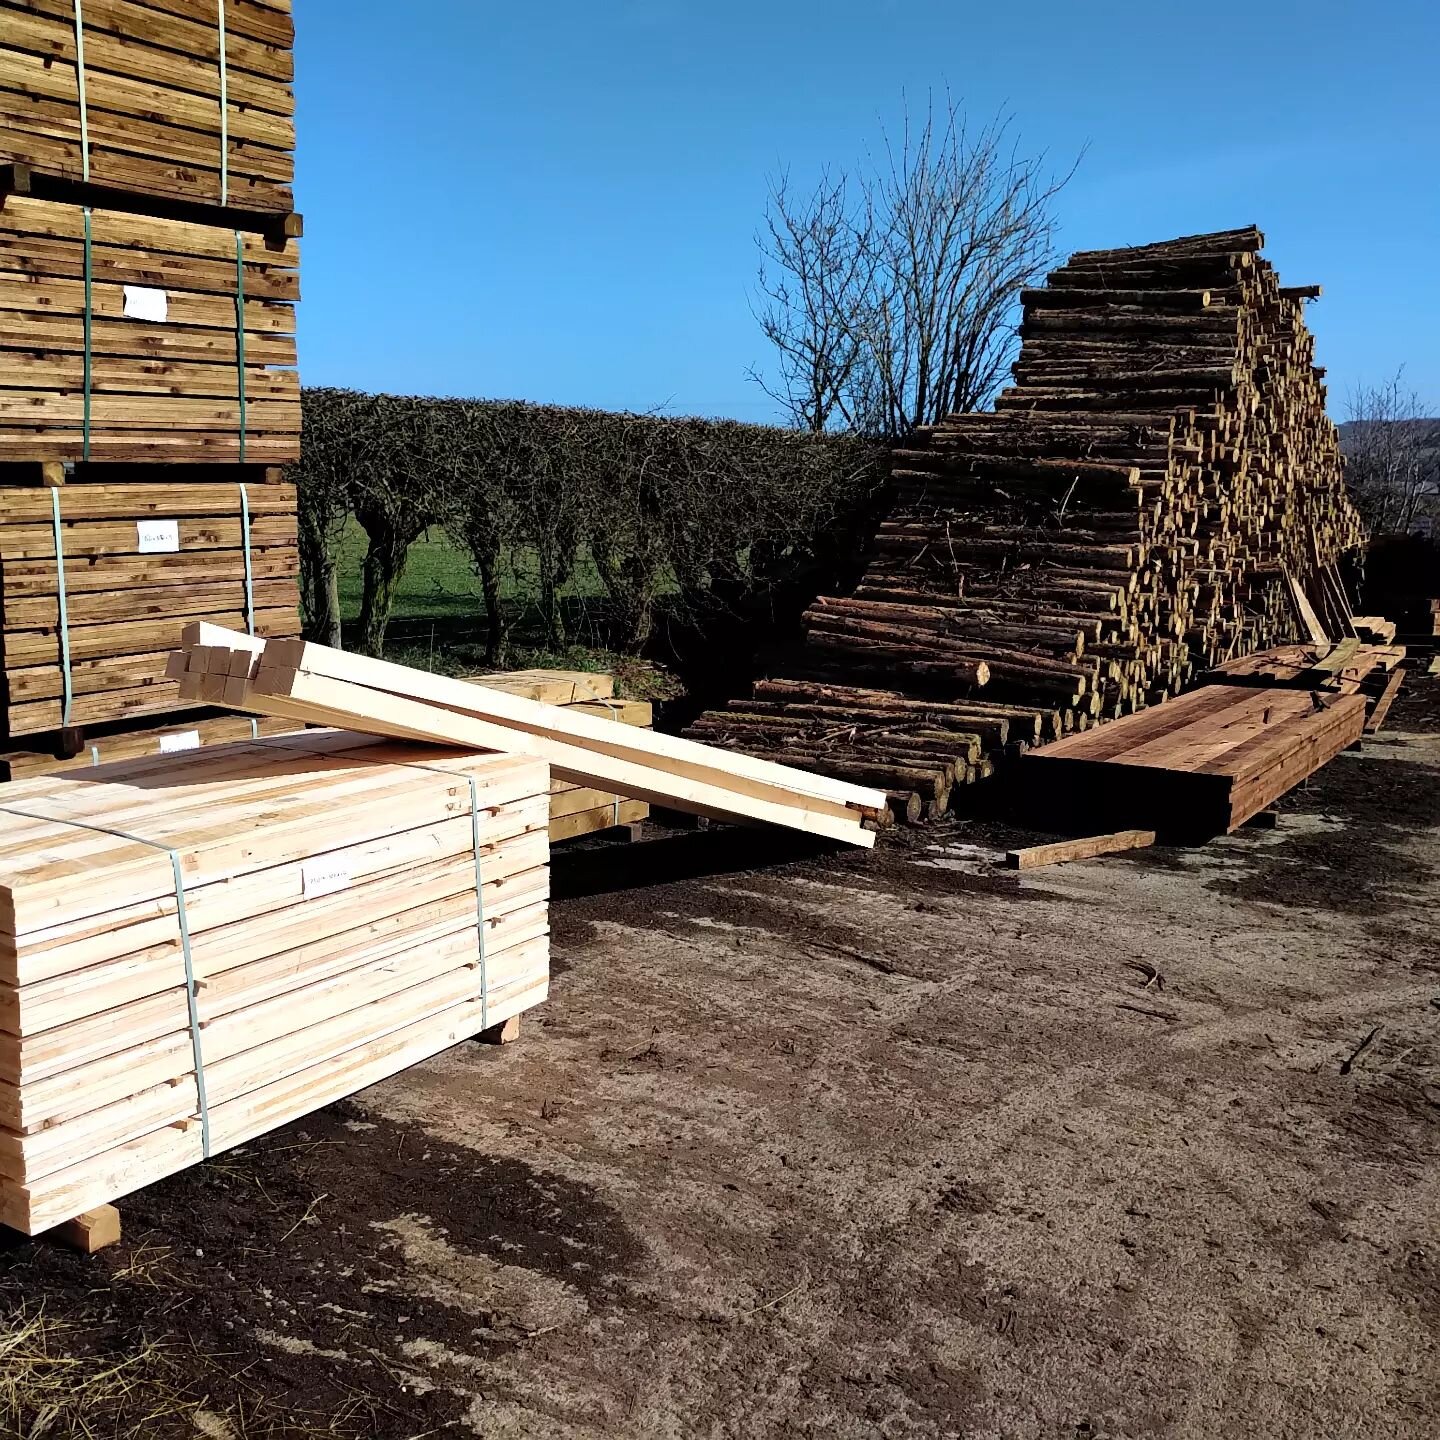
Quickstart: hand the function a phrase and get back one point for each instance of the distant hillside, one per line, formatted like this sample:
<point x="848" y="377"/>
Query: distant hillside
<point x="1426" y="431"/>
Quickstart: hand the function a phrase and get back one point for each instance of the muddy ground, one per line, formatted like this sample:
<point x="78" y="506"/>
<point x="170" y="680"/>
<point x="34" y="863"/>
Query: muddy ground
<point x="895" y="1145"/>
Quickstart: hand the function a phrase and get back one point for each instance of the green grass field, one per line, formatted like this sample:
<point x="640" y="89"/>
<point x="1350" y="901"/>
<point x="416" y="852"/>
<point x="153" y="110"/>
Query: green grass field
<point x="440" y="587"/>
<point x="439" y="583"/>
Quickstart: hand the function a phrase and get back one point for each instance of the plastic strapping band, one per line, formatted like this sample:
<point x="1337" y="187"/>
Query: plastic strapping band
<point x="67" y="689"/>
<point x="479" y="884"/>
<point x="89" y="324"/>
<point x="254" y="728"/>
<point x="183" y="918"/>
<point x="249" y="574"/>
<point x="240" y="336"/>
<point x="94" y="755"/>
<point x="224" y="112"/>
<point x="479" y="903"/>
<point x="80" y="87"/>
<point x="85" y="173"/>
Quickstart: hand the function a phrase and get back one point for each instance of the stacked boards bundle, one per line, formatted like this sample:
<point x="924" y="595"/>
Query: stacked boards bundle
<point x="312" y="684"/>
<point x="177" y="99"/>
<point x="261" y="929"/>
<point x="1352" y="667"/>
<point x="96" y="578"/>
<point x="129" y="338"/>
<point x="577" y="810"/>
<point x="186" y="733"/>
<point x="1159" y="492"/>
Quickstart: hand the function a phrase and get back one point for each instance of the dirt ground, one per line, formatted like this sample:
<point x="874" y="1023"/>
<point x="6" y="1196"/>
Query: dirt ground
<point x="896" y="1145"/>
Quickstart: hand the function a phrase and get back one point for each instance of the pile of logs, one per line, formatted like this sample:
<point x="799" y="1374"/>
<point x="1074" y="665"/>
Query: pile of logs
<point x="1159" y="492"/>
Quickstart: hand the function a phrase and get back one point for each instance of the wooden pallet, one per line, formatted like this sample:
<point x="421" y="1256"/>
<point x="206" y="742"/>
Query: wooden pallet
<point x="330" y="912"/>
<point x="1197" y="766"/>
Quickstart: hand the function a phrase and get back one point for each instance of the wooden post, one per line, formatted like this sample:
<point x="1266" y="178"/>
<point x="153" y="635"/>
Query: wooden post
<point x="1092" y="845"/>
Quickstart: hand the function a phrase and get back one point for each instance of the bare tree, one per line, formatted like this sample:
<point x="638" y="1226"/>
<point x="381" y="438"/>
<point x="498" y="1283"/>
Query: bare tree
<point x="1392" y="454"/>
<point x="890" y="293"/>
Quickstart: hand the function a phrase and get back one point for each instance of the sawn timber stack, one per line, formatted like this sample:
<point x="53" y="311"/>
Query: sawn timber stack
<point x="156" y="340"/>
<point x="179" y="100"/>
<point x="196" y="949"/>
<point x="1200" y="766"/>
<point x="1160" y="491"/>
<point x="132" y="563"/>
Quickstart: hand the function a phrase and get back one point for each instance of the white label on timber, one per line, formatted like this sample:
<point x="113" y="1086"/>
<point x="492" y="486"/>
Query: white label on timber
<point x="143" y="303"/>
<point x="157" y="537"/>
<point x="181" y="740"/>
<point x="324" y="877"/>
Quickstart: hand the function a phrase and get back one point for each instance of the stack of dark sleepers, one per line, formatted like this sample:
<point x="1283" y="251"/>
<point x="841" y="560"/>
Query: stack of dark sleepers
<point x="1198" y="766"/>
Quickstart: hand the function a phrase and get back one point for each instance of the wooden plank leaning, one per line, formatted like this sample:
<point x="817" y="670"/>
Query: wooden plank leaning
<point x="314" y="684"/>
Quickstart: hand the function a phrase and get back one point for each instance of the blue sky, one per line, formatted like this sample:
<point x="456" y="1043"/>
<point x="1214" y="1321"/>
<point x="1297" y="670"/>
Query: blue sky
<point x="558" y="201"/>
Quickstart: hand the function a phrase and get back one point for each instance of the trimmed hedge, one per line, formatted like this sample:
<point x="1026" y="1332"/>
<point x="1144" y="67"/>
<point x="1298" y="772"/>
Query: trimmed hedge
<point x="689" y="517"/>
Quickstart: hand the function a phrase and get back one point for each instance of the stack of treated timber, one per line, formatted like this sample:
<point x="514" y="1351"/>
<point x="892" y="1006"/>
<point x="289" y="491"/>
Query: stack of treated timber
<point x="1160" y="491"/>
<point x="132" y="563"/>
<point x="1199" y="766"/>
<point x="262" y="928"/>
<point x="179" y="100"/>
<point x="149" y="276"/>
<point x="311" y="684"/>
<point x="171" y="376"/>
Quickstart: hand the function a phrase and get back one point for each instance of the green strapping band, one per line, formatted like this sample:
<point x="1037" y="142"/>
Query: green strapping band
<point x="224" y="113"/>
<point x="89" y="325"/>
<point x="249" y="574"/>
<point x="479" y="882"/>
<point x="240" y="335"/>
<point x="191" y="1002"/>
<point x="479" y="903"/>
<point x="80" y="86"/>
<point x="64" y="606"/>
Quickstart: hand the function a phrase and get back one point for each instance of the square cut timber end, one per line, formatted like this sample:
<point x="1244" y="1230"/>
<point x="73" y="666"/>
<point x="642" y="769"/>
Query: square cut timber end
<point x="505" y="1034"/>
<point x="89" y="1233"/>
